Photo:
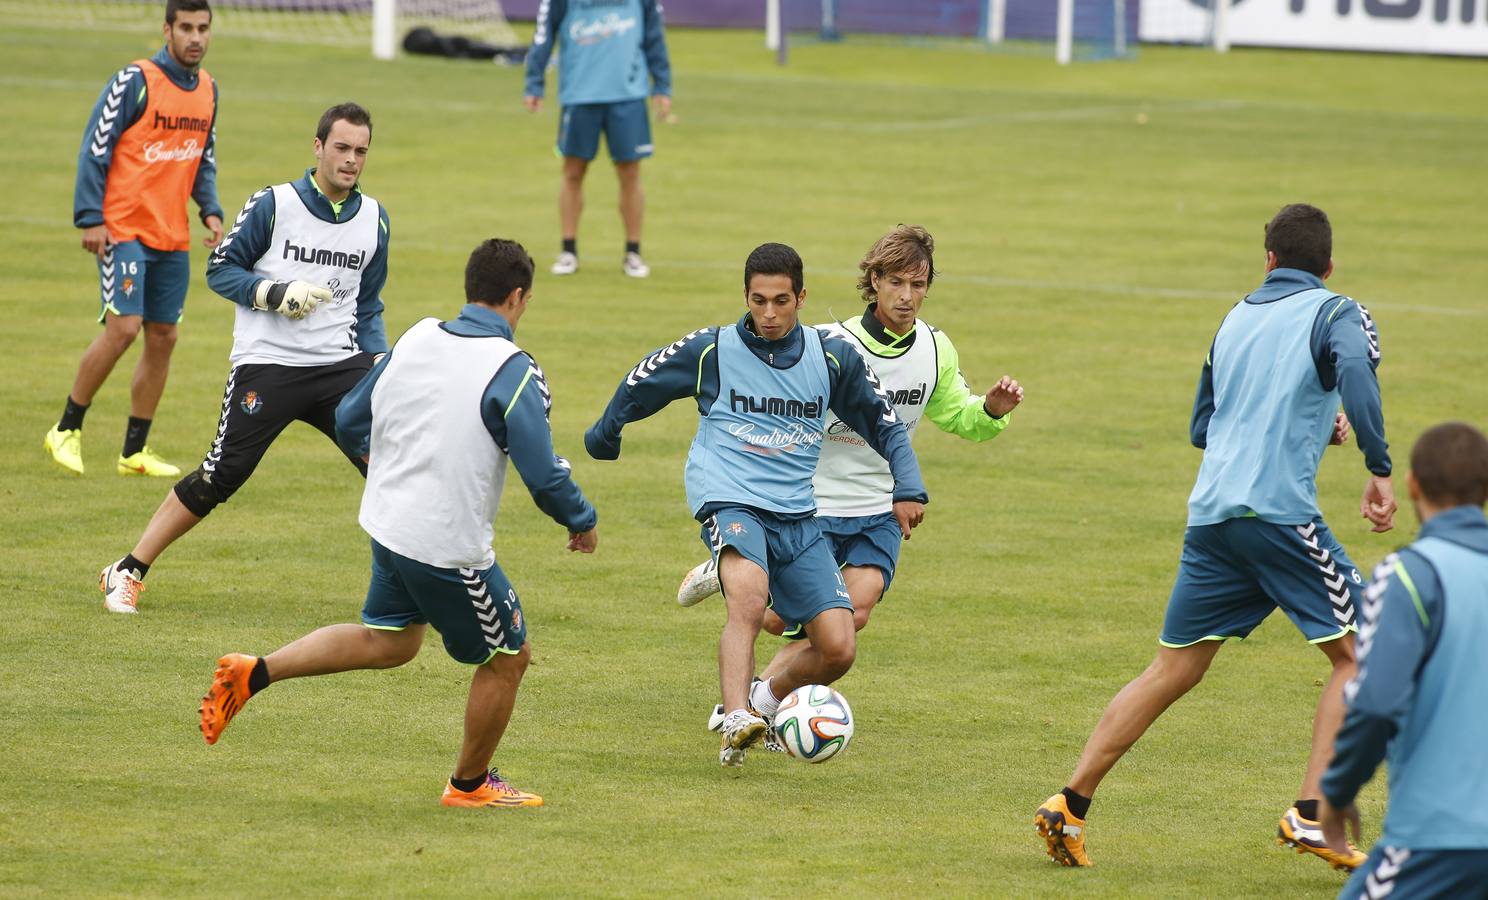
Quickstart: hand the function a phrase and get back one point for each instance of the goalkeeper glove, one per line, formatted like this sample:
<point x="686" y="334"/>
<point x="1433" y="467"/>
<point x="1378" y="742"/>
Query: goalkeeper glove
<point x="293" y="299"/>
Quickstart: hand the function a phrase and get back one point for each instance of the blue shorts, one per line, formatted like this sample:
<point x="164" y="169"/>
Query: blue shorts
<point x="474" y="610"/>
<point x="134" y="280"/>
<point x="865" y="541"/>
<point x="804" y="579"/>
<point x="1234" y="573"/>
<point x="1419" y="874"/>
<point x="625" y="125"/>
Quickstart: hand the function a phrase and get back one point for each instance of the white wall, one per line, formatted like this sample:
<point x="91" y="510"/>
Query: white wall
<point x="1404" y="26"/>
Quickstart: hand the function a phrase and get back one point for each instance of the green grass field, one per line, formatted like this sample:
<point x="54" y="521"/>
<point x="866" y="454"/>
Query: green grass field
<point x="1094" y="224"/>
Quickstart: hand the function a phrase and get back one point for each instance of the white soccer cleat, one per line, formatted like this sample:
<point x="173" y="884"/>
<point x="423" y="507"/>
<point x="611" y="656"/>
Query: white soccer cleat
<point x="121" y="590"/>
<point x="715" y="719"/>
<point x="741" y="730"/>
<point x="566" y="264"/>
<point x="699" y="584"/>
<point x="634" y="266"/>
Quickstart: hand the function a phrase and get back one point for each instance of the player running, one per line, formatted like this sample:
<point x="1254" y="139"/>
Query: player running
<point x="438" y="418"/>
<point x="1267" y="406"/>
<point x="763" y="388"/>
<point x="150" y="144"/>
<point x="919" y="370"/>
<point x="305" y="262"/>
<point x="1419" y="692"/>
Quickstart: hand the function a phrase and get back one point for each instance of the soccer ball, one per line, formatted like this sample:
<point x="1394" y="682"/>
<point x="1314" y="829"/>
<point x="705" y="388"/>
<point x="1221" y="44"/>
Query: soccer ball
<point x="814" y="723"/>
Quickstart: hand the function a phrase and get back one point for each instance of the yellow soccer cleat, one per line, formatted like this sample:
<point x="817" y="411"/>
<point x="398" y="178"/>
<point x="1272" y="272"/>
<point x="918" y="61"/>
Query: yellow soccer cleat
<point x="1307" y="837"/>
<point x="146" y="462"/>
<point x="1062" y="831"/>
<point x="65" y="448"/>
<point x="495" y="792"/>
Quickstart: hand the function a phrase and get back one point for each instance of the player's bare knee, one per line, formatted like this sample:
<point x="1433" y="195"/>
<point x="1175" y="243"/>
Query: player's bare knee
<point x="837" y="658"/>
<point x="773" y="623"/>
<point x="160" y="337"/>
<point x="200" y="494"/>
<point x="860" y="617"/>
<point x="120" y="331"/>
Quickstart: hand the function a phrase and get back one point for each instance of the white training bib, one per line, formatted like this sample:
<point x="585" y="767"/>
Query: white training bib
<point x="435" y="475"/>
<point x="332" y="255"/>
<point x="851" y="478"/>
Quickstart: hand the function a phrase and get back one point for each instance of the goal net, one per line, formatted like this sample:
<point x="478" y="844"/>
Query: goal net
<point x="1068" y="29"/>
<point x="323" y="22"/>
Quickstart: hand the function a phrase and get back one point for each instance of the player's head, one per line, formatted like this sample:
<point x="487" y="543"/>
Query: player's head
<point x="897" y="272"/>
<point x="1449" y="467"/>
<point x="342" y="138"/>
<point x="499" y="275"/>
<point x="188" y="30"/>
<point x="1300" y="237"/>
<point x="774" y="289"/>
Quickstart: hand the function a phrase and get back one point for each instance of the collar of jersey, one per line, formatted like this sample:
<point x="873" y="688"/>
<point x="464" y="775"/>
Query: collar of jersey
<point x="185" y="79"/>
<point x="1465" y="525"/>
<point x="475" y="319"/>
<point x="879" y="339"/>
<point x="309" y="188"/>
<point x="1281" y="283"/>
<point x="787" y="351"/>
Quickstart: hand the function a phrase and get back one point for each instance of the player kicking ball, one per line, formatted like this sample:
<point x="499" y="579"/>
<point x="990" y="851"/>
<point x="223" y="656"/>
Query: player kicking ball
<point x="919" y="370"/>
<point x="438" y="418"/>
<point x="764" y="387"/>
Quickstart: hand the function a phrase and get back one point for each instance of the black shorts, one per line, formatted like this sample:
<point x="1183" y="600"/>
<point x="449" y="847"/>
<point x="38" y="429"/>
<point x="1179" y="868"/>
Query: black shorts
<point x="260" y="401"/>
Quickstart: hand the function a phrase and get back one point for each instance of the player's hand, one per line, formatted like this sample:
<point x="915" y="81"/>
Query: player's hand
<point x="1332" y="821"/>
<point x="1378" y="505"/>
<point x="292" y="299"/>
<point x="1003" y="398"/>
<point x="1340" y="430"/>
<point x="583" y="541"/>
<point x="664" y="108"/>
<point x="909" y="514"/>
<point x="97" y="240"/>
<point x="214" y="225"/>
<point x="533" y="104"/>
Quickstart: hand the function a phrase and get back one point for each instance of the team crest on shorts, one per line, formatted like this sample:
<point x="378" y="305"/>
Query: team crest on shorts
<point x="251" y="404"/>
<point x="735" y="528"/>
<point x="128" y="287"/>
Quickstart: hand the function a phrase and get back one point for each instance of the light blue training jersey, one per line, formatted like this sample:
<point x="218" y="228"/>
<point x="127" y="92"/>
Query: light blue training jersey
<point x="1272" y="418"/>
<point x="758" y="443"/>
<point x="609" y="51"/>
<point x="1438" y="783"/>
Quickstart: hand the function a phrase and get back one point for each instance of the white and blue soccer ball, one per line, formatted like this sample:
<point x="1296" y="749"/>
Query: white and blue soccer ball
<point x="814" y="723"/>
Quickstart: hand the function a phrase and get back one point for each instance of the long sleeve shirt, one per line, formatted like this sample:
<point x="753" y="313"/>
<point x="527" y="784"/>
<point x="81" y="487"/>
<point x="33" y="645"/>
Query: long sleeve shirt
<point x="606" y="49"/>
<point x="514" y="410"/>
<point x="93" y="166"/>
<point x="688" y="367"/>
<point x="230" y="269"/>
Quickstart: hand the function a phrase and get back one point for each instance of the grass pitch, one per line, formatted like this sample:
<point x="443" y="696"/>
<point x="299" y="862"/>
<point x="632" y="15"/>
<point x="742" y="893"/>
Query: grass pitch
<point x="1094" y="223"/>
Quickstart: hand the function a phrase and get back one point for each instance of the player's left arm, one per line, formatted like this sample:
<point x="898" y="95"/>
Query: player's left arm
<point x="354" y="412"/>
<point x="370" y="333"/>
<point x="1400" y="619"/>
<point x="955" y="409"/>
<point x="204" y="188"/>
<point x="860" y="402"/>
<point x="515" y="410"/>
<point x="653" y="44"/>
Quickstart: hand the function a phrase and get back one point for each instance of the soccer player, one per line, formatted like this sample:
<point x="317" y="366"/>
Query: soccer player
<point x="1267" y="406"/>
<point x="150" y="144"/>
<point x="1419" y="692"/>
<point x="763" y="388"/>
<point x="305" y="263"/>
<point x="438" y="418"/>
<point x="919" y="369"/>
<point x="606" y="49"/>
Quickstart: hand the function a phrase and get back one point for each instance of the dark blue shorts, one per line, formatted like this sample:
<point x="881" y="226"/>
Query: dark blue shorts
<point x="1419" y="874"/>
<point x="804" y="578"/>
<point x="1234" y="573"/>
<point x="865" y="541"/>
<point x="134" y="280"/>
<point x="626" y="128"/>
<point x="474" y="610"/>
